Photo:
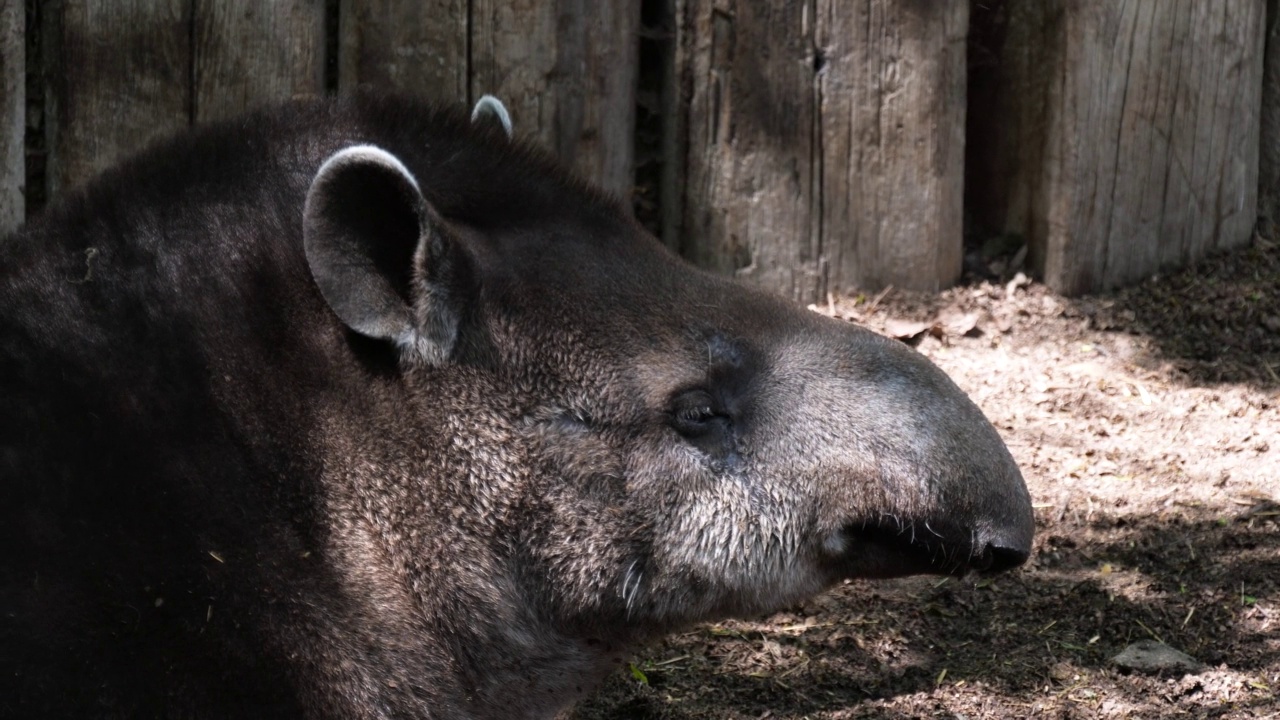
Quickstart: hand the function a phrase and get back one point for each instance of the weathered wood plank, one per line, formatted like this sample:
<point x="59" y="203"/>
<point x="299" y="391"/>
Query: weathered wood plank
<point x="567" y="72"/>
<point x="749" y="204"/>
<point x="825" y="142"/>
<point x="891" y="96"/>
<point x="1139" y="141"/>
<point x="414" y="46"/>
<point x="119" y="76"/>
<point x="13" y="101"/>
<point x="249" y="52"/>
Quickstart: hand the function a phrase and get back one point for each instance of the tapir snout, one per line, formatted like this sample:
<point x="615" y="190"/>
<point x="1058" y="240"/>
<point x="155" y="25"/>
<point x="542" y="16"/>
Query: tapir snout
<point x="938" y="491"/>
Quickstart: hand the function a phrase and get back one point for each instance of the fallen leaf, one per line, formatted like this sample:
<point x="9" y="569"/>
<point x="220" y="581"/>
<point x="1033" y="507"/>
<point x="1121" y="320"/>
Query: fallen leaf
<point x="905" y="329"/>
<point x="958" y="324"/>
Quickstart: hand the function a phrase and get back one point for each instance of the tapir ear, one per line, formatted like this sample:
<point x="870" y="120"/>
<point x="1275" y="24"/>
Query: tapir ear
<point x="369" y="237"/>
<point x="490" y="109"/>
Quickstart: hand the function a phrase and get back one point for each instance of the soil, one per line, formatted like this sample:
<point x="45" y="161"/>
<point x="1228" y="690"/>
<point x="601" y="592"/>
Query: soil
<point x="1147" y="425"/>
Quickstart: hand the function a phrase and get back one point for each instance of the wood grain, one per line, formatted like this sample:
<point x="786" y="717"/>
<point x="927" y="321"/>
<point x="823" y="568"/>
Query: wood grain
<point x="13" y="113"/>
<point x="567" y="72"/>
<point x="414" y="46"/>
<point x="118" y="74"/>
<point x="1269" y="123"/>
<point x="891" y="96"/>
<point x="750" y="201"/>
<point x="1137" y="137"/>
<point x="825" y="142"/>
<point x="249" y="52"/>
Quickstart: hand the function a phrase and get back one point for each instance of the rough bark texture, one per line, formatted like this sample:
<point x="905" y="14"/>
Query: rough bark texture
<point x="13" y="101"/>
<point x="750" y="197"/>
<point x="1135" y="134"/>
<point x="118" y="73"/>
<point x="567" y="72"/>
<point x="825" y="142"/>
<point x="249" y="52"/>
<point x="416" y="47"/>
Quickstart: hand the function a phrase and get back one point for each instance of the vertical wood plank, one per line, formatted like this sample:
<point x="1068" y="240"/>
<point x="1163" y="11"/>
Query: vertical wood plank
<point x="751" y="145"/>
<point x="891" y="96"/>
<point x="1145" y="157"/>
<point x="414" y="46"/>
<point x="249" y="52"/>
<point x="825" y="142"/>
<point x="13" y="101"/>
<point x="119" y="76"/>
<point x="567" y="71"/>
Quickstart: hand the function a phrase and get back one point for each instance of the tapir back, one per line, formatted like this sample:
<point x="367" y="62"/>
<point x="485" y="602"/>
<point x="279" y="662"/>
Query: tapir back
<point x="138" y="317"/>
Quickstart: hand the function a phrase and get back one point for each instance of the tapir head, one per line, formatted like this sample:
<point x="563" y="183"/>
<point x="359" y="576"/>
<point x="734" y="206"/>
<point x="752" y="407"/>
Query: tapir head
<point x="646" y="444"/>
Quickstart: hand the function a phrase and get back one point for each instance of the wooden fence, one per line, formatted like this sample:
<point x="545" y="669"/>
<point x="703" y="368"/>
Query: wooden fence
<point x="811" y="146"/>
<point x="1124" y="136"/>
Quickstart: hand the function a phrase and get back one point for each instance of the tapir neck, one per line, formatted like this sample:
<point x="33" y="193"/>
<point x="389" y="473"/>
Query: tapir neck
<point x="451" y="597"/>
<point x="469" y="630"/>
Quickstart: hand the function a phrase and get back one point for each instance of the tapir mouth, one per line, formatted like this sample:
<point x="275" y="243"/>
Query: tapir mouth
<point x="894" y="547"/>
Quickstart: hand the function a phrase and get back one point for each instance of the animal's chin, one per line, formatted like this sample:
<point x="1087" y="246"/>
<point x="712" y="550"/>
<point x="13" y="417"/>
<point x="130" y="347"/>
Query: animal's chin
<point x="878" y="551"/>
<point x="874" y="559"/>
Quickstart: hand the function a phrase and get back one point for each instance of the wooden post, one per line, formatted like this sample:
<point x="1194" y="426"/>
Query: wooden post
<point x="13" y="113"/>
<point x="1136" y="147"/>
<point x="119" y="76"/>
<point x="825" y="142"/>
<point x="249" y="52"/>
<point x="750" y="205"/>
<point x="414" y="46"/>
<point x="891" y="99"/>
<point x="567" y="72"/>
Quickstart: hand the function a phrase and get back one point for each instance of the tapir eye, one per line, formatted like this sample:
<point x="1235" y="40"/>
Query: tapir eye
<point x="694" y="415"/>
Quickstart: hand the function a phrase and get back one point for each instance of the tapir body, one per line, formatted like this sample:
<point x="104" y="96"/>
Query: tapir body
<point x="356" y="409"/>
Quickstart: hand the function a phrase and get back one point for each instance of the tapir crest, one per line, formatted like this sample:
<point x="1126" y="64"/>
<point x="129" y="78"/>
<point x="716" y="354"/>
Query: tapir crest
<point x="368" y="410"/>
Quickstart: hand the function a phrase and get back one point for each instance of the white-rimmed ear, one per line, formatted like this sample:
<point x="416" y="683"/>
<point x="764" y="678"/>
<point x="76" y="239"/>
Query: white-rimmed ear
<point x="490" y="109"/>
<point x="375" y="249"/>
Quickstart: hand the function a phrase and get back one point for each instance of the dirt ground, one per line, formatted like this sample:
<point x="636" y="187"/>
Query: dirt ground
<point x="1147" y="425"/>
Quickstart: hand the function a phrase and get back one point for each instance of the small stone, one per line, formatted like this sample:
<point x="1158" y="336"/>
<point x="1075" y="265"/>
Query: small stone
<point x="1149" y="656"/>
<point x="1063" y="673"/>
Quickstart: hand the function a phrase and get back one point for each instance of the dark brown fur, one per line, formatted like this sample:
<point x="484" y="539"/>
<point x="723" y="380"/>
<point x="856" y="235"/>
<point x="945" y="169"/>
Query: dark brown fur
<point x="225" y="491"/>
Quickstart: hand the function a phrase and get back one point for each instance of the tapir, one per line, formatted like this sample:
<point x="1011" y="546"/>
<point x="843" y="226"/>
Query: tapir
<point x="359" y="408"/>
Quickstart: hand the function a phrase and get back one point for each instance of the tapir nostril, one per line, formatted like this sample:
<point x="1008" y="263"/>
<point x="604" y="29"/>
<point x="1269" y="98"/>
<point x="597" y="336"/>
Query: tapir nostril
<point x="994" y="559"/>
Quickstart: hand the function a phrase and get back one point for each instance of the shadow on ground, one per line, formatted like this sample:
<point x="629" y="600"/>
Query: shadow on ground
<point x="1040" y="638"/>
<point x="1218" y="321"/>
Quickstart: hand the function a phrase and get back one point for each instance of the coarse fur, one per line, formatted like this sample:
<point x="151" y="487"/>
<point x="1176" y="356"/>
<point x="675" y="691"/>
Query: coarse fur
<point x="289" y="432"/>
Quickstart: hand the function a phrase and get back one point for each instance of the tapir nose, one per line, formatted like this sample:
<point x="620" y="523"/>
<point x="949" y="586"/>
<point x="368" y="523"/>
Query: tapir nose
<point x="1005" y="544"/>
<point x="954" y="499"/>
<point x="999" y="556"/>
